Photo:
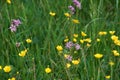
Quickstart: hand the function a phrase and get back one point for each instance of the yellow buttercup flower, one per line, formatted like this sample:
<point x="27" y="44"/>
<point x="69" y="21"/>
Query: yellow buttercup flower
<point x="88" y="45"/>
<point x="17" y="72"/>
<point x="7" y="69"/>
<point x="75" y="35"/>
<point x="76" y="62"/>
<point x="13" y="78"/>
<point x="9" y="1"/>
<point x="52" y="13"/>
<point x="111" y="32"/>
<point x="111" y="63"/>
<point x="115" y="53"/>
<point x="23" y="53"/>
<point x="114" y="37"/>
<point x="66" y="40"/>
<point x="98" y="56"/>
<point x="28" y="40"/>
<point x="59" y="48"/>
<point x="81" y="41"/>
<point x="75" y="21"/>
<point x="0" y="67"/>
<point x="65" y="55"/>
<point x="107" y="77"/>
<point x="47" y="70"/>
<point x="83" y="34"/>
<point x="98" y="40"/>
<point x="67" y="15"/>
<point x="117" y="42"/>
<point x="68" y="65"/>
<point x="74" y="40"/>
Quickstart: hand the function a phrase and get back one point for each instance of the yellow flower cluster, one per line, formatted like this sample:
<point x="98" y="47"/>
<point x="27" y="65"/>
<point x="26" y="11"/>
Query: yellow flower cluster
<point x="112" y="32"/>
<point x="13" y="78"/>
<point x="114" y="37"/>
<point x="23" y="53"/>
<point x="75" y="39"/>
<point x="102" y="33"/>
<point x="66" y="39"/>
<point x="52" y="13"/>
<point x="115" y="40"/>
<point x="75" y="36"/>
<point x="115" y="53"/>
<point x="85" y="40"/>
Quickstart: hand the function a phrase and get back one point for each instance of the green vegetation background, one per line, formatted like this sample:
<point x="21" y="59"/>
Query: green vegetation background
<point x="47" y="32"/>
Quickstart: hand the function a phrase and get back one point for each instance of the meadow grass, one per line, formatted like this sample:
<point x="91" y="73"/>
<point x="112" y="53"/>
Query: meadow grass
<point x="48" y="34"/>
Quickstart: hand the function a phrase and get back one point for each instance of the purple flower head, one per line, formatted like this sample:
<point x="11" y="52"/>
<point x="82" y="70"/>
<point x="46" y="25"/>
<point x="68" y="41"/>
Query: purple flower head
<point x="13" y="28"/>
<point x="72" y="9"/>
<point x="69" y="57"/>
<point x="77" y="4"/>
<point x="16" y="22"/>
<point x="69" y="44"/>
<point x="14" y="25"/>
<point x="77" y="46"/>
